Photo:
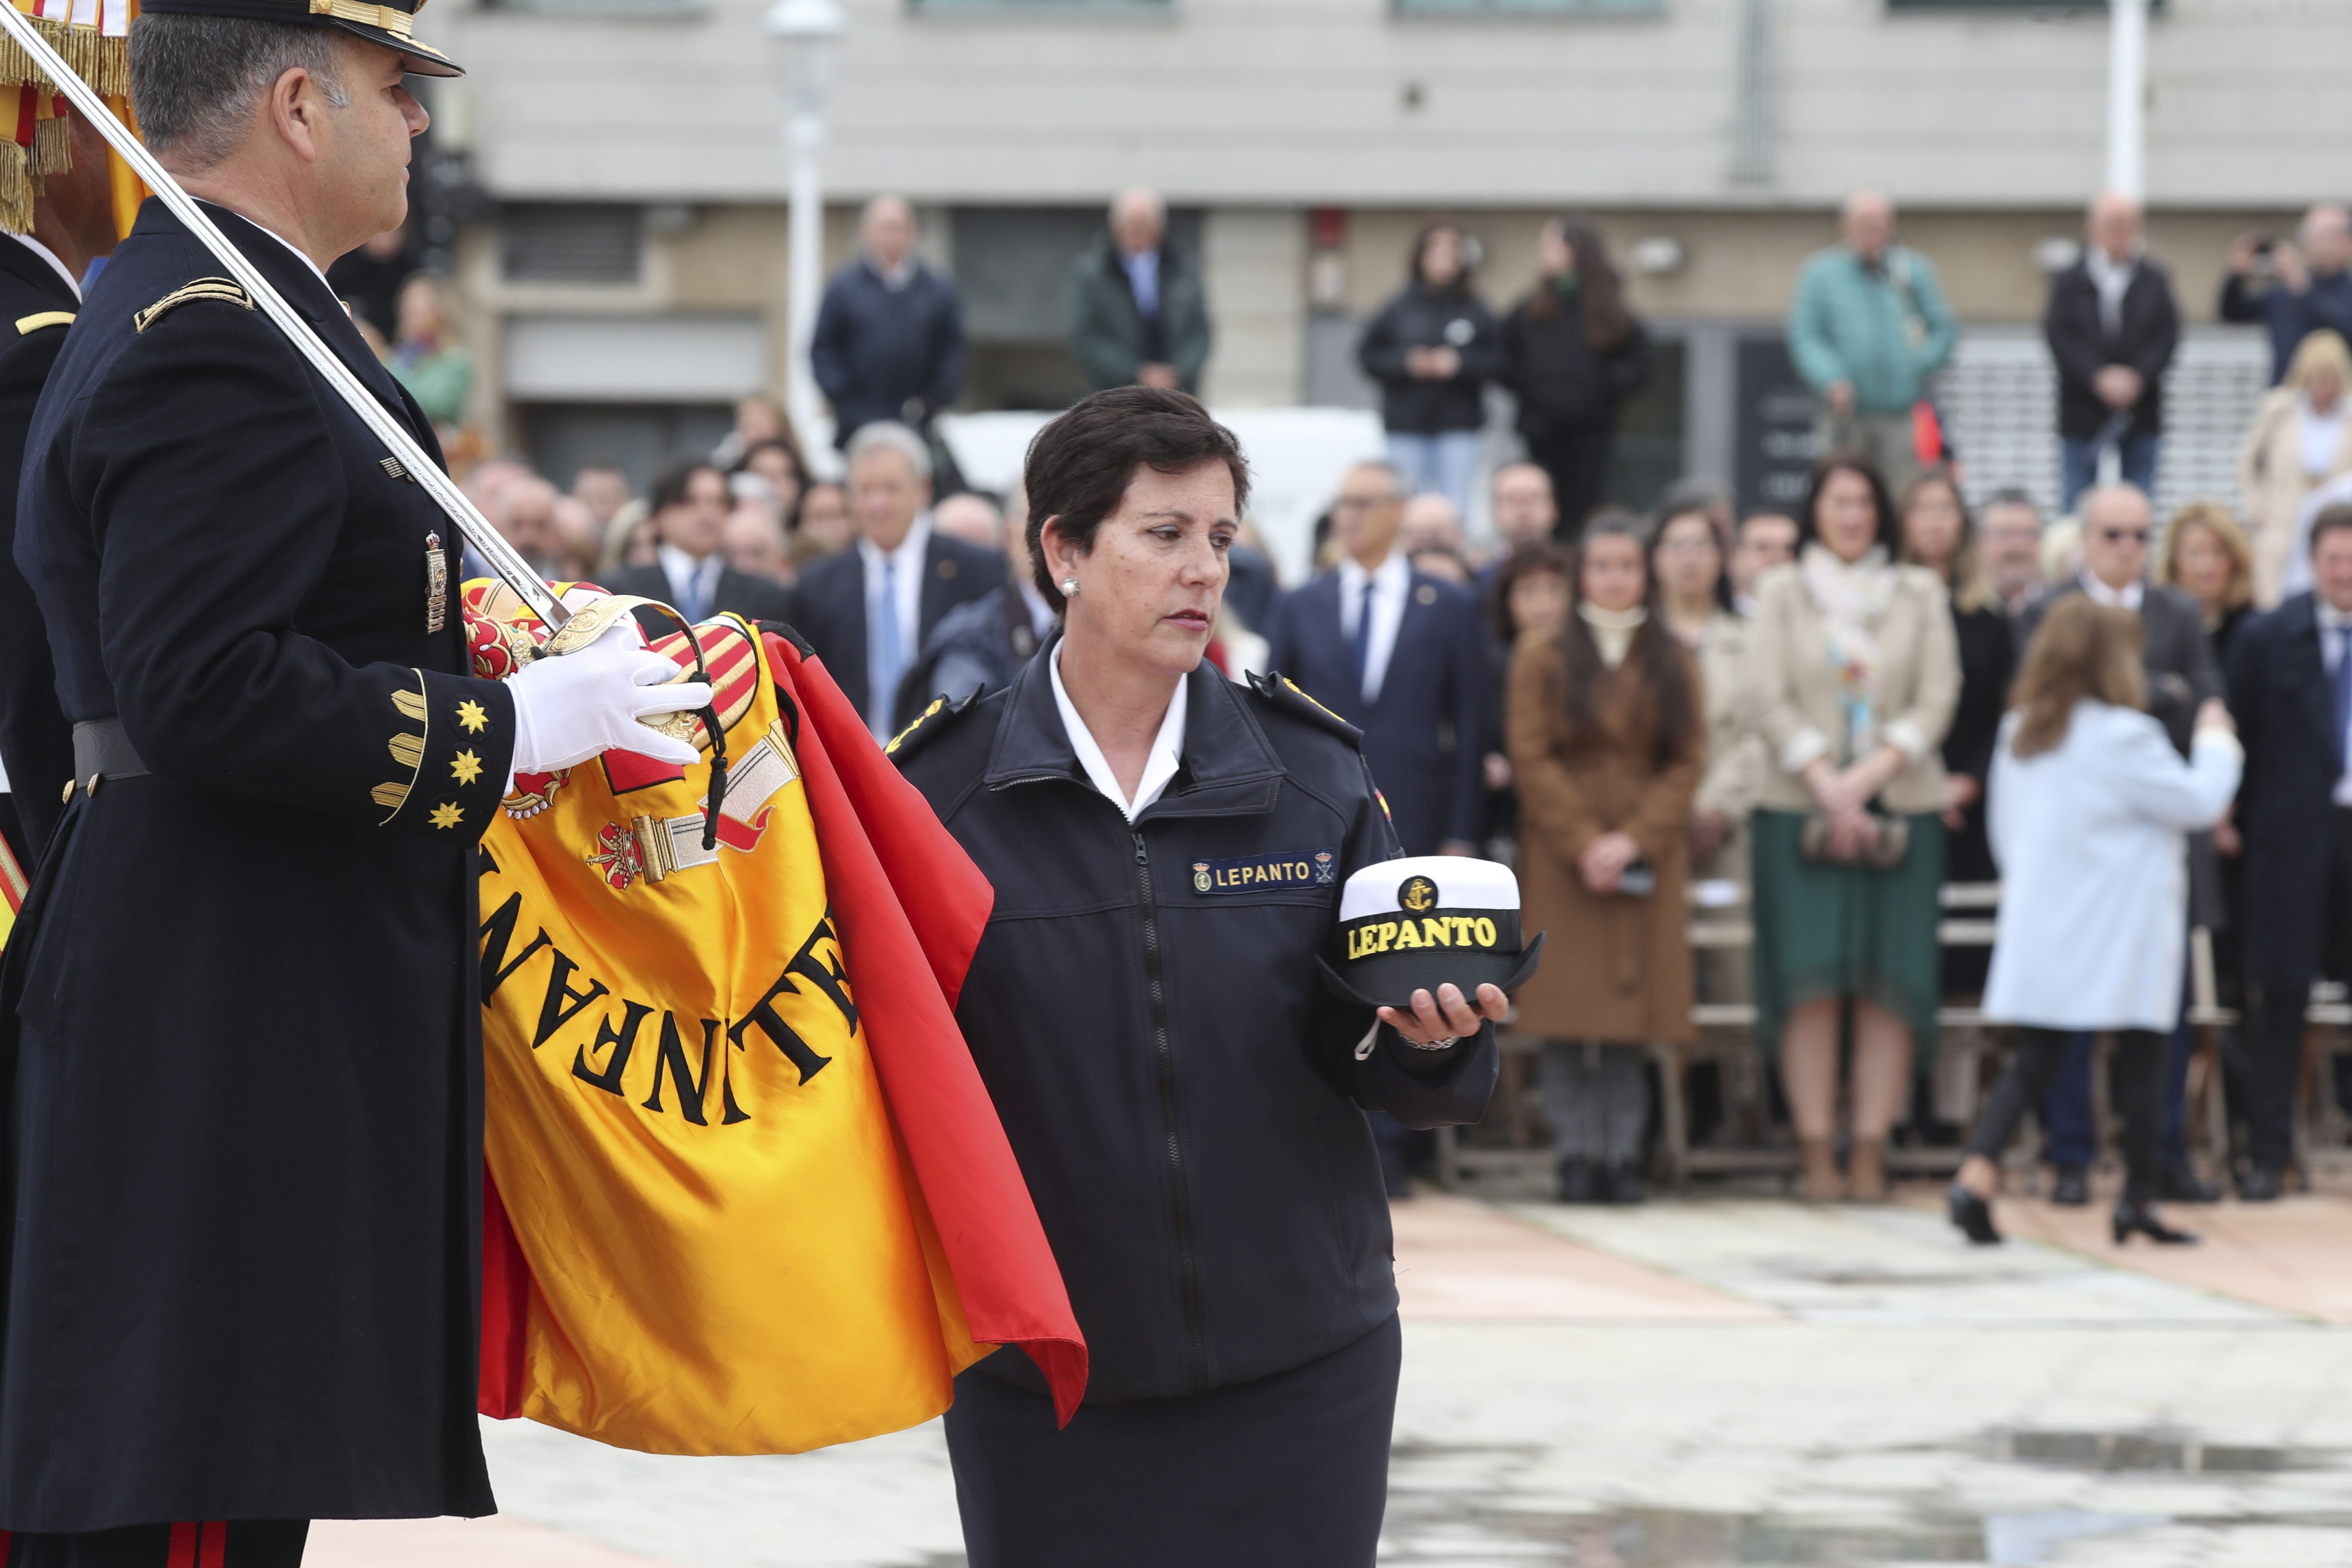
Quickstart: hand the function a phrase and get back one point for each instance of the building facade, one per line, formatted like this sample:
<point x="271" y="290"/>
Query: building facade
<point x="629" y="278"/>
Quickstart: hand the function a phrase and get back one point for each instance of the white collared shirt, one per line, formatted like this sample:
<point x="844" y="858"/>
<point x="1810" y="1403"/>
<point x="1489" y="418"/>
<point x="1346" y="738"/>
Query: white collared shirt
<point x="2127" y="597"/>
<point x="1390" y="580"/>
<point x="905" y="564"/>
<point x="46" y="254"/>
<point x="1167" y="747"/>
<point x="303" y="255"/>
<point x="687" y="574"/>
<point x="2333" y="624"/>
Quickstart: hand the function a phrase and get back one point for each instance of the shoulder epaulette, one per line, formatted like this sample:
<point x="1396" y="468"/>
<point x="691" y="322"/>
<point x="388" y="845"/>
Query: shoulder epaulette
<point x="222" y="289"/>
<point x="1282" y="693"/>
<point x="929" y="725"/>
<point x="27" y="325"/>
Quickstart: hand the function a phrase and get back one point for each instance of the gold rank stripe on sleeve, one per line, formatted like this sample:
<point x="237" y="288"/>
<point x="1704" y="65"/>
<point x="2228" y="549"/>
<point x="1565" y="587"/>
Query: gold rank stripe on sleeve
<point x="27" y="325"/>
<point x="407" y="749"/>
<point x="221" y="289"/>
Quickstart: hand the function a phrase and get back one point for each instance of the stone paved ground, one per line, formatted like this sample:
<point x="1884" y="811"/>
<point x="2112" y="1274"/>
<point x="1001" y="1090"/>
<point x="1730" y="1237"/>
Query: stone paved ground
<point x="1685" y="1386"/>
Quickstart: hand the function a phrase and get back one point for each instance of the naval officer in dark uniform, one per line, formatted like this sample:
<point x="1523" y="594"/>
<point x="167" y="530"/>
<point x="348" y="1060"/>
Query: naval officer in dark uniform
<point x="1167" y="851"/>
<point x="40" y="290"/>
<point x="244" y="1125"/>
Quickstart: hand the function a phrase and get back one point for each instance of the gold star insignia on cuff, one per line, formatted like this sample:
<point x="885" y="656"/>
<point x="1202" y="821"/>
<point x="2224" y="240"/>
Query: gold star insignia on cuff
<point x="470" y="715"/>
<point x="446" y="815"/>
<point x="466" y="767"/>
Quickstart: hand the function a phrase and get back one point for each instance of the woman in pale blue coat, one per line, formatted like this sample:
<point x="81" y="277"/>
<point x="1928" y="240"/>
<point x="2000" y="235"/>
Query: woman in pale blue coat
<point x="2089" y="810"/>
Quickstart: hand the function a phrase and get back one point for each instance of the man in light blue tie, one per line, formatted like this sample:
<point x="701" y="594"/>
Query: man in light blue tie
<point x="867" y="609"/>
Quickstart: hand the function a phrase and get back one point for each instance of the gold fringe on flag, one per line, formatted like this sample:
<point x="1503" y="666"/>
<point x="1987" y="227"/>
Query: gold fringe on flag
<point x="16" y="66"/>
<point x="101" y="61"/>
<point x="52" y="148"/>
<point x="16" y="189"/>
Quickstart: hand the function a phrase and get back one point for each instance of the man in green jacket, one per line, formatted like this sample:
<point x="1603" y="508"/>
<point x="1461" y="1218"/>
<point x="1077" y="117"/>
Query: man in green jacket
<point x="1868" y="328"/>
<point x="1137" y="309"/>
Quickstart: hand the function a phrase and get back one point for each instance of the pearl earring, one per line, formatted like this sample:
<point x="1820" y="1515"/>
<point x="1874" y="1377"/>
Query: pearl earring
<point x="1069" y="587"/>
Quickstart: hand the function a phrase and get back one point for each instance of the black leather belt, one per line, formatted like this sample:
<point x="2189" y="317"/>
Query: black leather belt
<point x="102" y="751"/>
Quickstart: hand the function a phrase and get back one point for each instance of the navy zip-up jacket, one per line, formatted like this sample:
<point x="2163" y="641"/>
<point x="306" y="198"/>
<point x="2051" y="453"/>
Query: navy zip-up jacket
<point x="1182" y="1094"/>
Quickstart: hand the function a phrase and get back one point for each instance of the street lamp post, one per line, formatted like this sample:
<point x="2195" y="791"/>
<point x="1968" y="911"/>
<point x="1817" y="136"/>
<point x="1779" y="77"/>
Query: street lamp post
<point x="2128" y="97"/>
<point x="807" y="35"/>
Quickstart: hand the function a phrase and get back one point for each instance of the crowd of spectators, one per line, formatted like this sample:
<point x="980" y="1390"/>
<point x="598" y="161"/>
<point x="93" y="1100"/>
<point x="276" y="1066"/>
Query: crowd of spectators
<point x="1804" y="715"/>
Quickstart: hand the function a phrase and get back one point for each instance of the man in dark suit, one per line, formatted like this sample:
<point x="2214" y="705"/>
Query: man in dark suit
<point x="2291" y="691"/>
<point x="2112" y="326"/>
<point x="689" y="505"/>
<point x="2182" y="673"/>
<point x="889" y="335"/>
<point x="73" y="223"/>
<point x="866" y="610"/>
<point x="1400" y="655"/>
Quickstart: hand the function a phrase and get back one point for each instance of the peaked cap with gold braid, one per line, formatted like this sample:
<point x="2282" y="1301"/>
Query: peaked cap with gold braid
<point x="391" y="24"/>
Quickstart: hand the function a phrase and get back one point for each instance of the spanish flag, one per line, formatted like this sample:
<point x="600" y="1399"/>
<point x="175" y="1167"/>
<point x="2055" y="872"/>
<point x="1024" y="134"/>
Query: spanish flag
<point x="746" y="1192"/>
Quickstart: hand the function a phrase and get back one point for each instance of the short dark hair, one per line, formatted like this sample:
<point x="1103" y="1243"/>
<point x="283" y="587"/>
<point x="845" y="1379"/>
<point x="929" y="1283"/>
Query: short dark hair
<point x="1525" y="561"/>
<point x="677" y="481"/>
<point x="2336" y="515"/>
<point x="1080" y="465"/>
<point x="196" y="81"/>
<point x="1830" y="466"/>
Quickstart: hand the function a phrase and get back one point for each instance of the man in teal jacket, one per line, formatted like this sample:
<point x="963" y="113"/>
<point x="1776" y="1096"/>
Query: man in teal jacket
<point x="1868" y="328"/>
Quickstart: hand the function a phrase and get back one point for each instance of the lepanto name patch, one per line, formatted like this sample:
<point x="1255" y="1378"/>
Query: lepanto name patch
<point x="1256" y="873"/>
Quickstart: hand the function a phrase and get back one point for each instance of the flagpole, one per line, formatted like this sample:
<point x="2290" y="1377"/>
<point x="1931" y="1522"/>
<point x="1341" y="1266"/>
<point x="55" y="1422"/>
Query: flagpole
<point x="472" y="526"/>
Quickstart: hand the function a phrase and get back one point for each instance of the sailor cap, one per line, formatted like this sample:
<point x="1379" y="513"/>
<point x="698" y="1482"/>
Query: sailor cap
<point x="1417" y="923"/>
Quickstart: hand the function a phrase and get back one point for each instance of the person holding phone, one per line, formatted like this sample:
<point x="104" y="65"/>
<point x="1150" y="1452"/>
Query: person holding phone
<point x="1608" y="738"/>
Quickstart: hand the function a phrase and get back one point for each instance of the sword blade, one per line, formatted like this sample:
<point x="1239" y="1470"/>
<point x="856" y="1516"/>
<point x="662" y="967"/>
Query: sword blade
<point x="472" y="526"/>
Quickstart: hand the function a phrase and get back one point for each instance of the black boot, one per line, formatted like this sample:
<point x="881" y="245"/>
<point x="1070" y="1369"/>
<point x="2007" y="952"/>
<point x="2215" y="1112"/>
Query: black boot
<point x="1576" y="1179"/>
<point x="2073" y="1188"/>
<point x="1972" y="1215"/>
<point x="1621" y="1183"/>
<point x="2181" y="1184"/>
<point x="2261" y="1185"/>
<point x="2139" y="1217"/>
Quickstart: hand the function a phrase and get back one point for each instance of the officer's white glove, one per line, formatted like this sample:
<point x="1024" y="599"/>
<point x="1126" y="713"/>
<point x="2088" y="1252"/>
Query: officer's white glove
<point x="568" y="710"/>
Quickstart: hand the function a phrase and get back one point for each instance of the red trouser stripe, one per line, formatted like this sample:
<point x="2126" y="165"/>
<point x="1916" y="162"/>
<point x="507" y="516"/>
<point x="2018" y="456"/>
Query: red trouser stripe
<point x="199" y="1544"/>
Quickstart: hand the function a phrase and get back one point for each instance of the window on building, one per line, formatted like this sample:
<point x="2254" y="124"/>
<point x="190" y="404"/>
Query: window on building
<point x="560" y="242"/>
<point x="1041" y="4"/>
<point x="604" y="7"/>
<point x="1529" y="8"/>
<point x="2046" y="7"/>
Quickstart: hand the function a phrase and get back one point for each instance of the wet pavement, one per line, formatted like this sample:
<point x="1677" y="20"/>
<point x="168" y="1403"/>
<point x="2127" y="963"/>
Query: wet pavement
<point x="1683" y="1386"/>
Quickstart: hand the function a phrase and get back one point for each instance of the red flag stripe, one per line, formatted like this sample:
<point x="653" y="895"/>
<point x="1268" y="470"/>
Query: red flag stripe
<point x="212" y="1543"/>
<point x="878" y="835"/>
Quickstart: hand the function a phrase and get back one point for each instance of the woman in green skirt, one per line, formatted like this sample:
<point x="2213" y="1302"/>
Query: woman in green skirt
<point x="1857" y="671"/>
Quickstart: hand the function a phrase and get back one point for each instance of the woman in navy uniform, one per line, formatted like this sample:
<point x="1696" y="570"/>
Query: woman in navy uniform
<point x="1186" y="1101"/>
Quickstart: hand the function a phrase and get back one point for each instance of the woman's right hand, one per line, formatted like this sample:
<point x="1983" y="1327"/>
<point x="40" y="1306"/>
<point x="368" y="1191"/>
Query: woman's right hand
<point x="1854" y="834"/>
<point x="1604" y="860"/>
<point x="2214" y="714"/>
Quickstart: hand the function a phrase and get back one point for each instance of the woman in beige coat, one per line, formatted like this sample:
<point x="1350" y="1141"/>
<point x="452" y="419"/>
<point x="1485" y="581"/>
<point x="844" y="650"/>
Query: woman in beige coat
<point x="2301" y="437"/>
<point x="1607" y="739"/>
<point x="1857" y="673"/>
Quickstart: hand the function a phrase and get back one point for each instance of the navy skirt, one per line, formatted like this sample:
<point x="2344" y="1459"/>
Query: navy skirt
<point x="1290" y="1470"/>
